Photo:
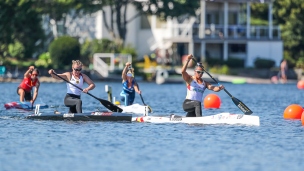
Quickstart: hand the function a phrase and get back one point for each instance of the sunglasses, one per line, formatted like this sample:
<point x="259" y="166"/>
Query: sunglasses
<point x="77" y="69"/>
<point x="35" y="75"/>
<point x="199" y="72"/>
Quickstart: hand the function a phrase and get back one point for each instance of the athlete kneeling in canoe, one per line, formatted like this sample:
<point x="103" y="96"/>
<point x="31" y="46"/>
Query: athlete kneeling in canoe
<point x="129" y="85"/>
<point x="195" y="89"/>
<point x="29" y="81"/>
<point x="72" y="98"/>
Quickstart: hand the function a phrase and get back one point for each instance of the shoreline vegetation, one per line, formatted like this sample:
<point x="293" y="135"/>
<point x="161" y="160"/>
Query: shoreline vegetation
<point x="254" y="75"/>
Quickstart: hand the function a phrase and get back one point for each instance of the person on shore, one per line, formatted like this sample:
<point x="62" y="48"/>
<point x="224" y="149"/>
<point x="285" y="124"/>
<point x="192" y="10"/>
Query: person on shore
<point x="195" y="89"/>
<point x="282" y="73"/>
<point x="129" y="85"/>
<point x="30" y="80"/>
<point x="73" y="96"/>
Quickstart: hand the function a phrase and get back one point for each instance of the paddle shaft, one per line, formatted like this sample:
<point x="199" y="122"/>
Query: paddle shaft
<point x="142" y="100"/>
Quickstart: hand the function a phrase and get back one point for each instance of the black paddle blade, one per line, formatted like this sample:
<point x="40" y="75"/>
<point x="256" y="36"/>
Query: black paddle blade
<point x="110" y="106"/>
<point x="241" y="106"/>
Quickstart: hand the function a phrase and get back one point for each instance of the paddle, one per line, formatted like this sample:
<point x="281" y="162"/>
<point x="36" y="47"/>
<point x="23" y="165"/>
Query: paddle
<point x="236" y="101"/>
<point x="142" y="99"/>
<point x="106" y="103"/>
<point x="150" y="109"/>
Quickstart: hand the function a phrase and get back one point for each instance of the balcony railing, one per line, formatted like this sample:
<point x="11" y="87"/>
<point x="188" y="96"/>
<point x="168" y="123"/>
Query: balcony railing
<point x="213" y="31"/>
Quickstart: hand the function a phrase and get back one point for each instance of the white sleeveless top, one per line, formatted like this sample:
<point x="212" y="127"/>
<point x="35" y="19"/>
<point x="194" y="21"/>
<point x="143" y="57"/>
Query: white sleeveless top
<point x="195" y="91"/>
<point x="72" y="89"/>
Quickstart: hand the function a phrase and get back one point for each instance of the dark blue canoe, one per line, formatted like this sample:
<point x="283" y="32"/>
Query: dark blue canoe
<point x="93" y="116"/>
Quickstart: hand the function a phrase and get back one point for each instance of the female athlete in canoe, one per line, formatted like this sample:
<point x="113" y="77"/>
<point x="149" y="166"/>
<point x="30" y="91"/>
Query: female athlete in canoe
<point x="72" y="98"/>
<point x="29" y="81"/>
<point x="129" y="85"/>
<point x="195" y="89"/>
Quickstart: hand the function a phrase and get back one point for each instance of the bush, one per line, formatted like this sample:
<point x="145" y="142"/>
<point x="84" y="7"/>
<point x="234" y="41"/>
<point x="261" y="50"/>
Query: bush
<point x="129" y="50"/>
<point x="88" y="48"/>
<point x="63" y="50"/>
<point x="264" y="63"/>
<point x="44" y="60"/>
<point x="214" y="62"/>
<point x="220" y="70"/>
<point x="14" y="62"/>
<point x="235" y="63"/>
<point x="300" y="63"/>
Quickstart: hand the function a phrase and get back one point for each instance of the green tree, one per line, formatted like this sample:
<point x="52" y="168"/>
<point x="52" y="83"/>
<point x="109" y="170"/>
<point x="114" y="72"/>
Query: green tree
<point x="289" y="15"/>
<point x="19" y="22"/>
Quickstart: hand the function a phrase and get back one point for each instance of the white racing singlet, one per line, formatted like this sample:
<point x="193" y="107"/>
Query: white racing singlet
<point x="195" y="91"/>
<point x="72" y="89"/>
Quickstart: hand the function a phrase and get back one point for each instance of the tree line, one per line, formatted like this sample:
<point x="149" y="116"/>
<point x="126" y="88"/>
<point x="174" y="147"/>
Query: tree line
<point x="22" y="36"/>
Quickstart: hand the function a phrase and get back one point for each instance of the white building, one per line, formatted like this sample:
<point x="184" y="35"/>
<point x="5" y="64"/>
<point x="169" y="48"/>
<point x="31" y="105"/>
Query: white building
<point x="220" y="30"/>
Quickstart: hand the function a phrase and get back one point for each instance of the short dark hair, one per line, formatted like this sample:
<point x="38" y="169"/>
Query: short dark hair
<point x="35" y="70"/>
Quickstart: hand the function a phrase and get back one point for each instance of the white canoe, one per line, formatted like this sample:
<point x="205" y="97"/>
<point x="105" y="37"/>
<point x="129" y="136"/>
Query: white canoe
<point x="221" y="118"/>
<point x="135" y="109"/>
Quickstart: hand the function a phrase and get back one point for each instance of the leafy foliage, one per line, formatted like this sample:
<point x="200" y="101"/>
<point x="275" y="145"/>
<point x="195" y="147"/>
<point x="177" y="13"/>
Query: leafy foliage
<point x="214" y="61"/>
<point x="14" y="18"/>
<point x="88" y="48"/>
<point x="129" y="50"/>
<point x="16" y="49"/>
<point x="235" y="62"/>
<point x="44" y="60"/>
<point x="264" y="63"/>
<point x="63" y="50"/>
<point x="289" y="14"/>
<point x="220" y="69"/>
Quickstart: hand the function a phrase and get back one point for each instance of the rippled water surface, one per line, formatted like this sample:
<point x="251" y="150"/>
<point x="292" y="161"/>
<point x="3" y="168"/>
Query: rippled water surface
<point x="34" y="145"/>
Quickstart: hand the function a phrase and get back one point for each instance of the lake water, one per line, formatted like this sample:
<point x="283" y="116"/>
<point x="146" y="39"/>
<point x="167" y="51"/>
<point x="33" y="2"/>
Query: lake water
<point x="34" y="145"/>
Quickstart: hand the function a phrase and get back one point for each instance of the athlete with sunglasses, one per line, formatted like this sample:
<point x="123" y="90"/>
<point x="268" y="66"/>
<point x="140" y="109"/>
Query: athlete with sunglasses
<point x="73" y="96"/>
<point x="30" y="80"/>
<point x="195" y="89"/>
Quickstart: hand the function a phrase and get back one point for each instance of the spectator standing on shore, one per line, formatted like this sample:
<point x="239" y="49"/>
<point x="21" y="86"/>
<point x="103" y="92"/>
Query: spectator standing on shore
<point x="283" y="70"/>
<point x="29" y="81"/>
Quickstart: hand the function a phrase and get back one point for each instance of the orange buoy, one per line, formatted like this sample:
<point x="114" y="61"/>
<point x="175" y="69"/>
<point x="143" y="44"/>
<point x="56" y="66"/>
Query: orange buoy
<point x="212" y="101"/>
<point x="302" y="118"/>
<point x="300" y="84"/>
<point x="293" y="111"/>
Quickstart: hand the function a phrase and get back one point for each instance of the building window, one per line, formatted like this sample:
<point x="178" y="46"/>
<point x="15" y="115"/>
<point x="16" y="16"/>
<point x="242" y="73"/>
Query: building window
<point x="212" y="18"/>
<point x="232" y="18"/>
<point x="237" y="48"/>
